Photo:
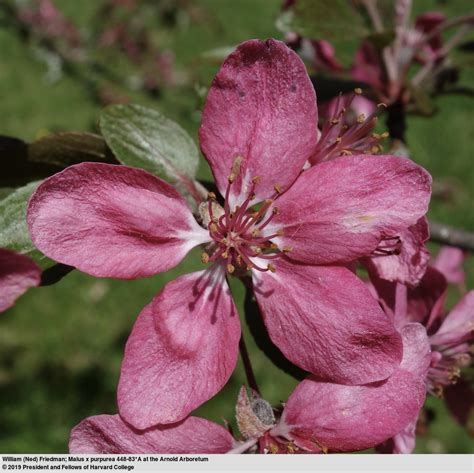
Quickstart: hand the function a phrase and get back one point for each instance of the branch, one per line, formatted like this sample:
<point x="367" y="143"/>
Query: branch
<point x="446" y="235"/>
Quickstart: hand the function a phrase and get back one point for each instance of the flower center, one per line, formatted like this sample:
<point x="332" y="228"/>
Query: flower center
<point x="239" y="235"/>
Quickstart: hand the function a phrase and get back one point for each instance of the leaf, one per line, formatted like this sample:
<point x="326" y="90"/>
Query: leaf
<point x="67" y="148"/>
<point x="14" y="233"/>
<point x="15" y="167"/>
<point x="21" y="163"/>
<point x="331" y="20"/>
<point x="144" y="138"/>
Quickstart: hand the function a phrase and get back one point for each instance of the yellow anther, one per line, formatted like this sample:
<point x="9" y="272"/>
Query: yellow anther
<point x="213" y="227"/>
<point x="375" y="149"/>
<point x="239" y="259"/>
<point x="358" y="91"/>
<point x="385" y="134"/>
<point x="204" y="258"/>
<point x="272" y="448"/>
<point x="361" y="118"/>
<point x="224" y="241"/>
<point x="338" y="139"/>
<point x="334" y="121"/>
<point x="225" y="254"/>
<point x="249" y="267"/>
<point x="287" y="249"/>
<point x="256" y="232"/>
<point x="268" y="202"/>
<point x="382" y="105"/>
<point x="256" y="179"/>
<point x="376" y="136"/>
<point x="346" y="152"/>
<point x="211" y="196"/>
<point x="271" y="268"/>
<point x="277" y="188"/>
<point x="273" y="246"/>
<point x="230" y="268"/>
<point x="275" y="211"/>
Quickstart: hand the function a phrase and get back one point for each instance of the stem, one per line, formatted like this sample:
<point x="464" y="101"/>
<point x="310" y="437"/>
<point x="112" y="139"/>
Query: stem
<point x="446" y="235"/>
<point x="248" y="365"/>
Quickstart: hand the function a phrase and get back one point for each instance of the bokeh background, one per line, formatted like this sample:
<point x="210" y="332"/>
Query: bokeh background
<point x="61" y="346"/>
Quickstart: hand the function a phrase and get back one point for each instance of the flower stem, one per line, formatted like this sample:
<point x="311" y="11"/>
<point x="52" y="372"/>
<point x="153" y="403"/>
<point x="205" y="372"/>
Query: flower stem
<point x="251" y="380"/>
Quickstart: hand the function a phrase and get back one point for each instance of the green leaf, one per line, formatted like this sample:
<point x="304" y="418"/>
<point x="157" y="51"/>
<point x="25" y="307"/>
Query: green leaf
<point x="14" y="233"/>
<point x="21" y="163"/>
<point x="382" y="39"/>
<point x="68" y="148"/>
<point x="331" y="20"/>
<point x="144" y="138"/>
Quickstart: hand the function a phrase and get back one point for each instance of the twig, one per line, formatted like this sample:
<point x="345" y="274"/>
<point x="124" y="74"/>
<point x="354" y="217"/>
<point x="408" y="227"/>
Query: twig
<point x="446" y="235"/>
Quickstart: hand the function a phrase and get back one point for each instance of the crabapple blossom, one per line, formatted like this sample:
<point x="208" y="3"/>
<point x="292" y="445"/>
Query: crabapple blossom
<point x="293" y="230"/>
<point x="17" y="274"/>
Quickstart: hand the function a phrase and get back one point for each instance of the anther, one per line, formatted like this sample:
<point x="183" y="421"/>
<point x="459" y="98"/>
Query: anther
<point x="213" y="227"/>
<point x="225" y="254"/>
<point x="382" y="105"/>
<point x="256" y="179"/>
<point x="230" y="268"/>
<point x="287" y="249"/>
<point x="204" y="258"/>
<point x="334" y="121"/>
<point x="358" y="91"/>
<point x="361" y="118"/>
<point x="256" y="233"/>
<point x="385" y="134"/>
<point x="271" y="268"/>
<point x="277" y="188"/>
<point x="211" y="196"/>
<point x="273" y="246"/>
<point x="275" y="211"/>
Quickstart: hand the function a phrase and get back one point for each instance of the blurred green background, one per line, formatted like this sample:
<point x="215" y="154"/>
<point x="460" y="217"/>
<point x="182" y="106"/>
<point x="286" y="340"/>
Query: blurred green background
<point x="61" y="346"/>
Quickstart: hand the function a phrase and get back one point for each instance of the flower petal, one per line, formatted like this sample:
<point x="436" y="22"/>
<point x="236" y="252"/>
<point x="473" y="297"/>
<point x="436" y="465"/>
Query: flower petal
<point x="324" y="320"/>
<point x="339" y="210"/>
<point x="17" y="274"/>
<point x="458" y="324"/>
<point x="449" y="262"/>
<point x="409" y="266"/>
<point x="110" y="434"/>
<point x="112" y="221"/>
<point x="261" y="107"/>
<point x="182" y="350"/>
<point x="350" y="418"/>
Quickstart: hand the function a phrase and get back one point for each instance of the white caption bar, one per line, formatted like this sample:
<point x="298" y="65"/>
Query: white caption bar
<point x="245" y="463"/>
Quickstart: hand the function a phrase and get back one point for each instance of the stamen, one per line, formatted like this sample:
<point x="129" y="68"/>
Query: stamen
<point x="205" y="258"/>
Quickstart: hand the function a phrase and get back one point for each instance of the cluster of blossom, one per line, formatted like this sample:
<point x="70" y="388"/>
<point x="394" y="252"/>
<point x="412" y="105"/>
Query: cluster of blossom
<point x="299" y="222"/>
<point x="416" y="57"/>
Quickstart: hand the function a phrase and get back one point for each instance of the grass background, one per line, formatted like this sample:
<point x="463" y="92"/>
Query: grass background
<point x="61" y="346"/>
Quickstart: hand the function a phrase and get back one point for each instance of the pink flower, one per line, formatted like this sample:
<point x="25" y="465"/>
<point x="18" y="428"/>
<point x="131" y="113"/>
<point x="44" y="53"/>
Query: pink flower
<point x="17" y="274"/>
<point x="451" y="335"/>
<point x="318" y="417"/>
<point x="258" y="130"/>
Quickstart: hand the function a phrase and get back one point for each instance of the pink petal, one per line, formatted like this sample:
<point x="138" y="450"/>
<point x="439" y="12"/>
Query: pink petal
<point x="112" y="221"/>
<point x="450" y="262"/>
<point x="458" y="324"/>
<point x="350" y="418"/>
<point x="110" y="434"/>
<point x="261" y="107"/>
<point x="325" y="57"/>
<point x="403" y="442"/>
<point x="324" y="320"/>
<point x="17" y="274"/>
<point x="339" y="210"/>
<point x="182" y="350"/>
<point x="367" y="66"/>
<point x="409" y="266"/>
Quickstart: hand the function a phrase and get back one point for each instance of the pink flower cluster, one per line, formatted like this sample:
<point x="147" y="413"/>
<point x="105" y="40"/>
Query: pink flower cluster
<point x="297" y="225"/>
